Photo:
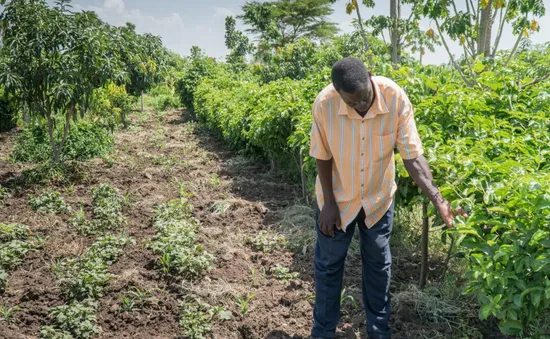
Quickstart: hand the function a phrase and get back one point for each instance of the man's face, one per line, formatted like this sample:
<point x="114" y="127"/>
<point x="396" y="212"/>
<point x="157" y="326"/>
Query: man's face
<point x="361" y="100"/>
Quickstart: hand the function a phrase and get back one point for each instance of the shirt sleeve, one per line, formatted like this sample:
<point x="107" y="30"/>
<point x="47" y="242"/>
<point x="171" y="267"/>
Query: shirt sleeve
<point x="408" y="140"/>
<point x="319" y="147"/>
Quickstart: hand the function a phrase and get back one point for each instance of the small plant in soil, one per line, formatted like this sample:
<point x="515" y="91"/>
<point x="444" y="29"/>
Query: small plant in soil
<point x="13" y="249"/>
<point x="196" y="318"/>
<point x="9" y="232"/>
<point x="7" y="312"/>
<point x="108" y="207"/>
<point x="345" y="298"/>
<point x="266" y="242"/>
<point x="257" y="277"/>
<point x="76" y="320"/>
<point x="215" y="180"/>
<point x="283" y="273"/>
<point x="175" y="242"/>
<point x="49" y="202"/>
<point x="4" y="194"/>
<point x="183" y="189"/>
<point x="243" y="304"/>
<point x="134" y="299"/>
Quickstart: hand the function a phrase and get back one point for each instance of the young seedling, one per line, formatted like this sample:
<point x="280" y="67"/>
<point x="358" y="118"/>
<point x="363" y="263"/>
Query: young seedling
<point x="283" y="273"/>
<point x="266" y="242"/>
<point x="127" y="304"/>
<point x="7" y="312"/>
<point x="344" y="298"/>
<point x="243" y="304"/>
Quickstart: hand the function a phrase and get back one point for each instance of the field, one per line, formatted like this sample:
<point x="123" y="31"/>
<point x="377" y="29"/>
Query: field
<point x="167" y="156"/>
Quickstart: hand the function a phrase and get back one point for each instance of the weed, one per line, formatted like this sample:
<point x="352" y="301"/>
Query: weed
<point x="183" y="190"/>
<point x="265" y="242"/>
<point x="76" y="320"/>
<point x="215" y="180"/>
<point x="108" y="160"/>
<point x="158" y="140"/>
<point x="49" y="202"/>
<point x="257" y="277"/>
<point x="7" y="312"/>
<point x="345" y="298"/>
<point x="243" y="304"/>
<point x="127" y="304"/>
<point x="168" y="162"/>
<point x="283" y="273"/>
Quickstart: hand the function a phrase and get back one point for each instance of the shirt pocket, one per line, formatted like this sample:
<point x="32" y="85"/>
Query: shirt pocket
<point x="385" y="147"/>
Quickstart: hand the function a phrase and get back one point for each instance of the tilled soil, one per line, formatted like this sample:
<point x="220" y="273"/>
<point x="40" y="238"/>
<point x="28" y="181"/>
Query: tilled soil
<point x="149" y="157"/>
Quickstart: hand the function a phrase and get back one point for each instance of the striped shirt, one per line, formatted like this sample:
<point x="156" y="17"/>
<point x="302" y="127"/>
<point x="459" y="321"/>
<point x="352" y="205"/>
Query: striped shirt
<point x="362" y="148"/>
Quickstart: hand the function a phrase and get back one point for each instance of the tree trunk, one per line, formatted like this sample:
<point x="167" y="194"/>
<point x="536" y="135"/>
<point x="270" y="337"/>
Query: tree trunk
<point x="26" y="115"/>
<point x="68" y="115"/>
<point x="424" y="246"/>
<point x="142" y="101"/>
<point x="485" y="27"/>
<point x="55" y="152"/>
<point x="394" y="32"/>
<point x="364" y="35"/>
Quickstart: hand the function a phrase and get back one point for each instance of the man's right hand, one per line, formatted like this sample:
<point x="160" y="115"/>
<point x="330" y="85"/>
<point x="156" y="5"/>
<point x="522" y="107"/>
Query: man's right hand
<point x="329" y="217"/>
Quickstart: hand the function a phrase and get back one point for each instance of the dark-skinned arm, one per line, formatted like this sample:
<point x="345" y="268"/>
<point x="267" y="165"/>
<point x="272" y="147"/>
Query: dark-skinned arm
<point x="419" y="170"/>
<point x="330" y="214"/>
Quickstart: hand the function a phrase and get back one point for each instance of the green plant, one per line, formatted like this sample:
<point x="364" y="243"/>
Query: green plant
<point x="84" y="141"/>
<point x="49" y="202"/>
<point x="345" y="298"/>
<point x="175" y="241"/>
<point x="166" y="102"/>
<point x="283" y="273"/>
<point x="54" y="174"/>
<point x="9" y="232"/>
<point x="243" y="304"/>
<point x="133" y="299"/>
<point x="108" y="206"/>
<point x="4" y="193"/>
<point x="196" y="318"/>
<point x="76" y="320"/>
<point x="7" y="312"/>
<point x="266" y="242"/>
<point x="127" y="304"/>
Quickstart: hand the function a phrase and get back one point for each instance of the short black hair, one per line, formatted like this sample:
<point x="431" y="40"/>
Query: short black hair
<point x="349" y="74"/>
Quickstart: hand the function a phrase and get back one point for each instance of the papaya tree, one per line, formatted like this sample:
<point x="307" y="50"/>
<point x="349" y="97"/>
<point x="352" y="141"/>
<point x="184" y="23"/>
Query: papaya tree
<point x="474" y="27"/>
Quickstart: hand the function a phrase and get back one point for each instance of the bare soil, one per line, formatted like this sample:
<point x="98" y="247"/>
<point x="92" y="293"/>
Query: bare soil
<point x="149" y="156"/>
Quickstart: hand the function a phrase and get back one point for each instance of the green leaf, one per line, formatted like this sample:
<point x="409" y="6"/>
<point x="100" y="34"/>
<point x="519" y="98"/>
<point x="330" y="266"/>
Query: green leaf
<point x="485" y="311"/>
<point x="225" y="315"/>
<point x="510" y="327"/>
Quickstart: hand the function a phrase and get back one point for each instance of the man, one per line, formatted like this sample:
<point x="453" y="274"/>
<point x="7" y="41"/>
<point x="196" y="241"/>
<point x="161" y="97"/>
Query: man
<point x="358" y="120"/>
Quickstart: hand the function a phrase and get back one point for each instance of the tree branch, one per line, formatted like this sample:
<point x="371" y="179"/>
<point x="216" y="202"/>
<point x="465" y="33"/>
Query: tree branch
<point x="453" y="61"/>
<point x="500" y="28"/>
<point x="514" y="49"/>
<point x="535" y="81"/>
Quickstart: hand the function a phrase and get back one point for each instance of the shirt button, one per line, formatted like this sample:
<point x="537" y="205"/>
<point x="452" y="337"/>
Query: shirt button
<point x="363" y="138"/>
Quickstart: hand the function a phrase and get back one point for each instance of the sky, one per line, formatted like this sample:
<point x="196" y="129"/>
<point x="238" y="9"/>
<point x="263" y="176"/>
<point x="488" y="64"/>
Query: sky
<point x="185" y="23"/>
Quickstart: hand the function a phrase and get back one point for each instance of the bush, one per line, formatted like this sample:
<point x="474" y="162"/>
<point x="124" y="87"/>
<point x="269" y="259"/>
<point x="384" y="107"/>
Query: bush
<point x="166" y="102"/>
<point x="85" y="141"/>
<point x="8" y="114"/>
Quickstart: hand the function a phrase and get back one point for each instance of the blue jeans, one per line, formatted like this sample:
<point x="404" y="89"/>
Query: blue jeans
<point x="330" y="255"/>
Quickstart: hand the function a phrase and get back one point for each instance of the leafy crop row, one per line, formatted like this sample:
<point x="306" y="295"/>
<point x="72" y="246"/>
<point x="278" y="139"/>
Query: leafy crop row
<point x="175" y="241"/>
<point x="82" y="280"/>
<point x="14" y="246"/>
<point x="108" y="206"/>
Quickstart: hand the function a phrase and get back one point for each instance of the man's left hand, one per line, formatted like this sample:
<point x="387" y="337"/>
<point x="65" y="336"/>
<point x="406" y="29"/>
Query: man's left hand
<point x="447" y="214"/>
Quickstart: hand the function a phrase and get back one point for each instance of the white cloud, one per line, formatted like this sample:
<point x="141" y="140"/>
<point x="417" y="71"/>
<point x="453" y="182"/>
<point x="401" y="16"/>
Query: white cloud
<point x="169" y="27"/>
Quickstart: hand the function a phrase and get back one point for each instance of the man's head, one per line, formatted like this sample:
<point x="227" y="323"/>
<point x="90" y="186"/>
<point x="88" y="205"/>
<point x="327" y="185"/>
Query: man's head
<point x="352" y="81"/>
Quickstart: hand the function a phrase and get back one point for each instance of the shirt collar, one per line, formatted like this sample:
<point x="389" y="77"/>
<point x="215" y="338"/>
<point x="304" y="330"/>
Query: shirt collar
<point x="379" y="105"/>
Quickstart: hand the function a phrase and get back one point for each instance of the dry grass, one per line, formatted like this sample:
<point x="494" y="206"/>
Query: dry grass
<point x="297" y="225"/>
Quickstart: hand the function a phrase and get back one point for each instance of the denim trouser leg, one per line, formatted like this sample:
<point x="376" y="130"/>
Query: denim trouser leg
<point x="330" y="255"/>
<point x="376" y="262"/>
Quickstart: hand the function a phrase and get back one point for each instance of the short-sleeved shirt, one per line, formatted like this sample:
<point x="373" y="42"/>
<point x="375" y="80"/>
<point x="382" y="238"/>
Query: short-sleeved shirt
<point x="362" y="148"/>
